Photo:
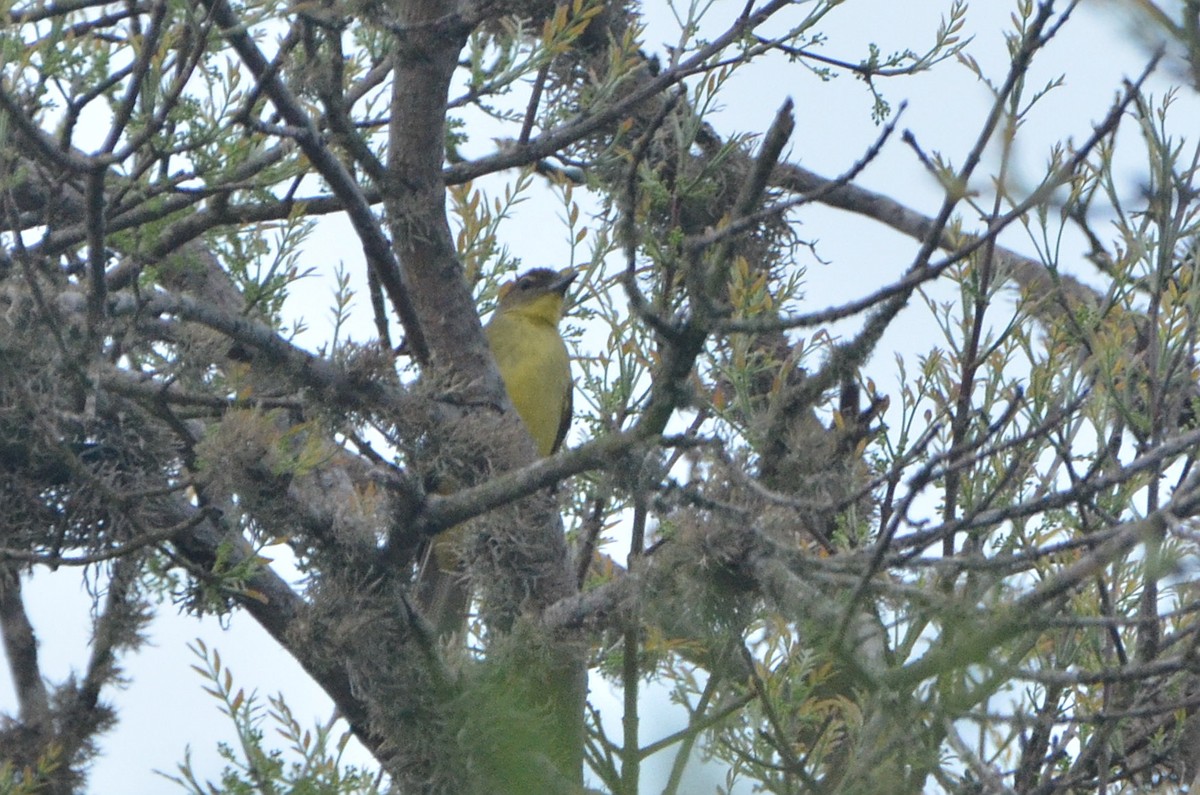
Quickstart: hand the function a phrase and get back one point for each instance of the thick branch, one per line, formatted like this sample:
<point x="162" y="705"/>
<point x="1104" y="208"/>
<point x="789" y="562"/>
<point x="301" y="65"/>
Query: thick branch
<point x="20" y="647"/>
<point x="277" y="608"/>
<point x="376" y="249"/>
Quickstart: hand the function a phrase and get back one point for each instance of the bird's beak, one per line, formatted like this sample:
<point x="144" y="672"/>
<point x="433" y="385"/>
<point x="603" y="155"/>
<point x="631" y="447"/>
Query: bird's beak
<point x="565" y="277"/>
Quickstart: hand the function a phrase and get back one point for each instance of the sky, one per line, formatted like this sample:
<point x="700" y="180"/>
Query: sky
<point x="164" y="709"/>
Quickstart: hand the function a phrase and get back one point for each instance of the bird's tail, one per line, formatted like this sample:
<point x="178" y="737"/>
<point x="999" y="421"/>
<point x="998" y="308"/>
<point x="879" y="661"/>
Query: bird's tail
<point x="443" y="594"/>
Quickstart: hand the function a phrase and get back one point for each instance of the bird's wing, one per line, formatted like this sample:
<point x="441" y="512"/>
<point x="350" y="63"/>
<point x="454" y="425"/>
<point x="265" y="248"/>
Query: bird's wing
<point x="564" y="422"/>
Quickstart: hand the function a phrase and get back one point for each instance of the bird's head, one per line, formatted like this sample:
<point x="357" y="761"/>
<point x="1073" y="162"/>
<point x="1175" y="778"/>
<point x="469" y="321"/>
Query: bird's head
<point x="537" y="294"/>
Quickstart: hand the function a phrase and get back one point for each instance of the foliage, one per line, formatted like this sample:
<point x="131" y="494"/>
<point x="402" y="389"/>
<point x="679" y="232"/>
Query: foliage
<point x="315" y="767"/>
<point x="969" y="567"/>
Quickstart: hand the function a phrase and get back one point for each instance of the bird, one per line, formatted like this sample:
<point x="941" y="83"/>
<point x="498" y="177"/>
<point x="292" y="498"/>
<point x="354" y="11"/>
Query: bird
<point x="535" y="367"/>
<point x="531" y="354"/>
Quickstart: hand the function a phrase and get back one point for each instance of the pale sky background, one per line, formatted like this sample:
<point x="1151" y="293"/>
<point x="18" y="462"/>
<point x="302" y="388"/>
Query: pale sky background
<point x="164" y="710"/>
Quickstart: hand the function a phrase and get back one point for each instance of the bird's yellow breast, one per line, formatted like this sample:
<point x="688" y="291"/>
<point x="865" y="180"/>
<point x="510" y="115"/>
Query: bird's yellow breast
<point x="535" y="366"/>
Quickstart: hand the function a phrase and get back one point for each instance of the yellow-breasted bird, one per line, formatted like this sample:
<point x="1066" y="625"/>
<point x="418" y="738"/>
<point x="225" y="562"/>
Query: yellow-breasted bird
<point x="536" y="369"/>
<point x="531" y="354"/>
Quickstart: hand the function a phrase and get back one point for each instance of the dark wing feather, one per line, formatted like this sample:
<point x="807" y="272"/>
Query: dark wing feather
<point x="564" y="422"/>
